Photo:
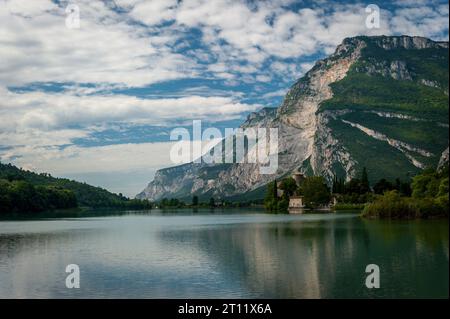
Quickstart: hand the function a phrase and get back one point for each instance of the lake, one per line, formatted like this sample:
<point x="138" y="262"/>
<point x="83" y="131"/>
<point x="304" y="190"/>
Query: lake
<point x="222" y="254"/>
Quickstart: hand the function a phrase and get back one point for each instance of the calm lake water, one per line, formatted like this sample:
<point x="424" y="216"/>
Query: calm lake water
<point x="222" y="254"/>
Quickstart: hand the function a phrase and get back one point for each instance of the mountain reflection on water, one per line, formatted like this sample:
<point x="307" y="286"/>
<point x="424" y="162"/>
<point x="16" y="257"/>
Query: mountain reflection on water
<point x="223" y="254"/>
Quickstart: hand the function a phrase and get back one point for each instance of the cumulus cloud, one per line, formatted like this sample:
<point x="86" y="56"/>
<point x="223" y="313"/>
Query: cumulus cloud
<point x="256" y="47"/>
<point x="22" y="112"/>
<point x="139" y="44"/>
<point x="110" y="158"/>
<point x="261" y="30"/>
<point x="422" y="20"/>
<point x="154" y="12"/>
<point x="38" y="47"/>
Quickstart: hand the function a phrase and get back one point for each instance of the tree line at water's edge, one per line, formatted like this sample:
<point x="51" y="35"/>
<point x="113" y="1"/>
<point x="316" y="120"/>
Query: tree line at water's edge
<point x="205" y="202"/>
<point x="429" y="197"/>
<point x="24" y="191"/>
<point x="425" y="195"/>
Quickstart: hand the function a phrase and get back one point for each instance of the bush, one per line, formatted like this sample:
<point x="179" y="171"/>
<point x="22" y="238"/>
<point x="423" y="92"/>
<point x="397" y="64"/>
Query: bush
<point x="392" y="205"/>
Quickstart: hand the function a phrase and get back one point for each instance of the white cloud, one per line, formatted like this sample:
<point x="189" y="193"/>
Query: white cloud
<point x="38" y="47"/>
<point x="29" y="9"/>
<point x="277" y="93"/>
<point x="263" y="78"/>
<point x="110" y="48"/>
<point x="41" y="111"/>
<point x="111" y="158"/>
<point x="422" y="20"/>
<point x="154" y="12"/>
<point x="240" y="42"/>
<point x="108" y="166"/>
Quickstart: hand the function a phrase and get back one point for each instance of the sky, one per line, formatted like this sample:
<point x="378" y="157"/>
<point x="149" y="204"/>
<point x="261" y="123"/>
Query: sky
<point x="96" y="101"/>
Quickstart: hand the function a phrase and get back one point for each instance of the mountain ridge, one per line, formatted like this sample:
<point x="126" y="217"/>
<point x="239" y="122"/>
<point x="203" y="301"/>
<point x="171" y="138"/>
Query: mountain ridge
<point x="373" y="95"/>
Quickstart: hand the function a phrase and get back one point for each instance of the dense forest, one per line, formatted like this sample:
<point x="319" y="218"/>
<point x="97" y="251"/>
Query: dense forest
<point x="25" y="191"/>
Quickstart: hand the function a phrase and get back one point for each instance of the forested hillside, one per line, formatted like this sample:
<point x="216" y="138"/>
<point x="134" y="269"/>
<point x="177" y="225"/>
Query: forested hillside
<point x="22" y="190"/>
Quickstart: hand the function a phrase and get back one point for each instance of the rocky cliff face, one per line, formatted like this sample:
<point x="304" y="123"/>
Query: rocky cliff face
<point x="444" y="159"/>
<point x="377" y="102"/>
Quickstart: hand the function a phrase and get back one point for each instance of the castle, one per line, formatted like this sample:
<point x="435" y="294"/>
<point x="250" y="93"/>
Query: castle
<point x="295" y="201"/>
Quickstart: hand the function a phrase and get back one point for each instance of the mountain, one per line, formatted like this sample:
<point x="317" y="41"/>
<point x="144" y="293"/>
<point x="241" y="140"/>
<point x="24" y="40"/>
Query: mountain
<point x="377" y="102"/>
<point x="12" y="178"/>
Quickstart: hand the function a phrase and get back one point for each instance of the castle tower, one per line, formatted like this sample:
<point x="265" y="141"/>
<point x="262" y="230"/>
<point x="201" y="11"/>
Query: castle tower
<point x="298" y="177"/>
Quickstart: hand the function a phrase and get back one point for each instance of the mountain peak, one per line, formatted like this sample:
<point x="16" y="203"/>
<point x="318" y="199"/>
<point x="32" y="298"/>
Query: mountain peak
<point x="397" y="41"/>
<point x="354" y="109"/>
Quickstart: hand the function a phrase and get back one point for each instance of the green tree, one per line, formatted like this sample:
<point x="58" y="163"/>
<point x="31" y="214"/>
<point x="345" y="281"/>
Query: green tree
<point x="365" y="186"/>
<point x="353" y="186"/>
<point x="382" y="186"/>
<point x="271" y="198"/>
<point x="195" y="200"/>
<point x="404" y="188"/>
<point x="275" y="189"/>
<point x="335" y="187"/>
<point x="289" y="186"/>
<point x="443" y="187"/>
<point x="315" y="191"/>
<point x="424" y="184"/>
<point x="5" y="197"/>
<point x="283" y="204"/>
<point x="21" y="196"/>
<point x="338" y="185"/>
<point x="430" y="197"/>
<point x="28" y="191"/>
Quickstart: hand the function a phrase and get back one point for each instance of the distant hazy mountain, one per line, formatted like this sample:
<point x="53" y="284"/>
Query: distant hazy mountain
<point x="377" y="102"/>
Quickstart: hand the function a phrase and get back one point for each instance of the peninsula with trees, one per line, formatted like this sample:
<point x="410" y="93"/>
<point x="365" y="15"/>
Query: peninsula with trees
<point x="426" y="195"/>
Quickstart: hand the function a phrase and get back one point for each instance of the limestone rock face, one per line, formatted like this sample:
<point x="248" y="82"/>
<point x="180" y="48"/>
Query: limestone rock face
<point x="444" y="159"/>
<point x="348" y="112"/>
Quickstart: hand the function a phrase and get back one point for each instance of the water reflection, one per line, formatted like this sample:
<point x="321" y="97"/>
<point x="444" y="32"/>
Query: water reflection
<point x="326" y="258"/>
<point x="223" y="256"/>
